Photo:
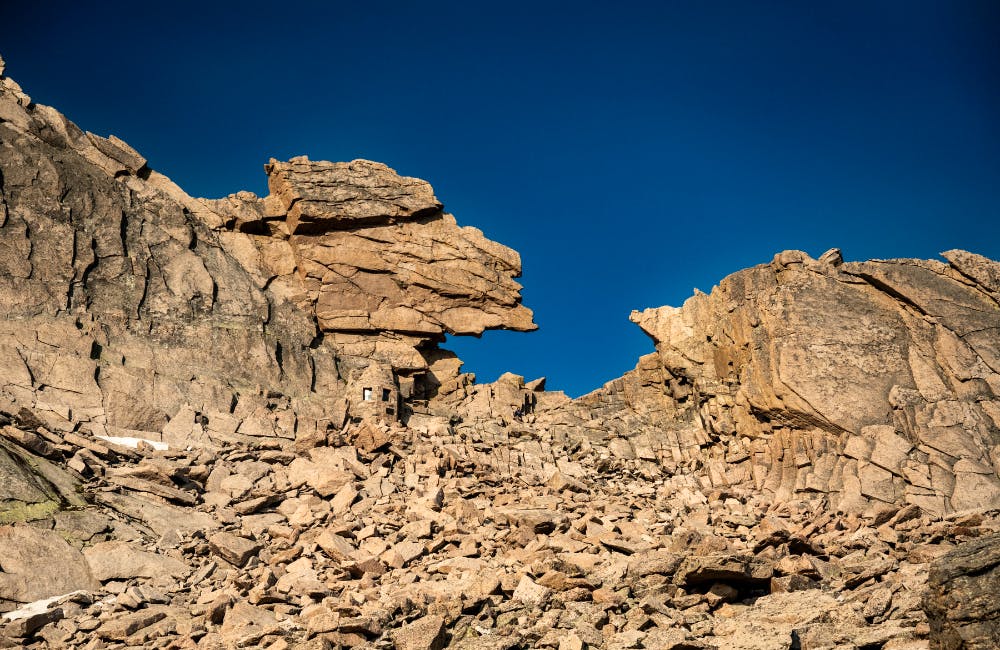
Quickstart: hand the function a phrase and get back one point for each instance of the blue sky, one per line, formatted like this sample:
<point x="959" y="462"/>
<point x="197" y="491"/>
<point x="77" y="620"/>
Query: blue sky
<point x="630" y="153"/>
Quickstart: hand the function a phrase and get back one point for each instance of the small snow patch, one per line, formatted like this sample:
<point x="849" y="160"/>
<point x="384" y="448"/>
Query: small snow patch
<point x="133" y="443"/>
<point x="37" y="607"/>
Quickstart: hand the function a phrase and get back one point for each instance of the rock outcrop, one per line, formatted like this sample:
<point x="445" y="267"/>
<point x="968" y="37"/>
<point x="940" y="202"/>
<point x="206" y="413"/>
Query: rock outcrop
<point x="872" y="383"/>
<point x="378" y="262"/>
<point x="227" y="423"/>
<point x="961" y="601"/>
<point x="132" y="309"/>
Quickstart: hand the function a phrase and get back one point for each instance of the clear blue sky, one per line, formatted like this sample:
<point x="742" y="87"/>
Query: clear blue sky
<point x="630" y="152"/>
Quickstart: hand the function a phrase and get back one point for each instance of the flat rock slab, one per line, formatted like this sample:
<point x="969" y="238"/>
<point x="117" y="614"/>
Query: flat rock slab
<point x="125" y="625"/>
<point x="233" y="548"/>
<point x="161" y="518"/>
<point x="124" y="561"/>
<point x="244" y="625"/>
<point x="425" y="633"/>
<point x="28" y="625"/>
<point x="38" y="563"/>
<point x="538" y="520"/>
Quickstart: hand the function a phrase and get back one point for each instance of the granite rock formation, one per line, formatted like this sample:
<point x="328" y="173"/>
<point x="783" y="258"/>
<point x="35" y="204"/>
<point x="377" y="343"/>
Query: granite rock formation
<point x="871" y="383"/>
<point x="227" y="423"/>
<point x="129" y="306"/>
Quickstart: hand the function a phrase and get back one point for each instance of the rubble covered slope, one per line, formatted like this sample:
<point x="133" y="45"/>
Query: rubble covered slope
<point x="227" y="423"/>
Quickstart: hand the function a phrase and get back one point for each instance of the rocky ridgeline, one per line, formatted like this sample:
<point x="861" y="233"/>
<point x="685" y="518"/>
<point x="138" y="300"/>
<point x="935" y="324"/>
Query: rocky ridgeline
<point x="227" y="423"/>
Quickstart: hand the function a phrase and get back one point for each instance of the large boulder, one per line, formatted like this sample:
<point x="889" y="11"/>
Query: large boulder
<point x="963" y="597"/>
<point x="37" y="564"/>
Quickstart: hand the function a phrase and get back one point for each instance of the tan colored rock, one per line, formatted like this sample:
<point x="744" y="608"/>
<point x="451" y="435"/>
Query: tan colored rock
<point x="530" y="592"/>
<point x="341" y="502"/>
<point x="571" y="642"/>
<point x="779" y="473"/>
<point x="244" y="625"/>
<point x="37" y="564"/>
<point x="323" y="195"/>
<point x="122" y="560"/>
<point x="228" y="292"/>
<point x="379" y="255"/>
<point x="28" y="624"/>
<point x="125" y="625"/>
<point x="402" y="554"/>
<point x="427" y="633"/>
<point x="335" y="546"/>
<point x="233" y="548"/>
<point x="732" y="568"/>
<point x="792" y="355"/>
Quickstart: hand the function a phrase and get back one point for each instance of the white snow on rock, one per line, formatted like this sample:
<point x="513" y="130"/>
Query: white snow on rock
<point x="133" y="443"/>
<point x="37" y="607"/>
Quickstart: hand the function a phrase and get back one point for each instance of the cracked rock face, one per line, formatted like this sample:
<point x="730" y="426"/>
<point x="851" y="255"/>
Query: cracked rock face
<point x="961" y="599"/>
<point x="871" y="382"/>
<point x="377" y="254"/>
<point x="129" y="306"/>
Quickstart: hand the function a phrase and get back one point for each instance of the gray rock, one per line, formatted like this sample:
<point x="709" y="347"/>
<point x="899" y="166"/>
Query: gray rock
<point x="37" y="564"/>
<point x="961" y="600"/>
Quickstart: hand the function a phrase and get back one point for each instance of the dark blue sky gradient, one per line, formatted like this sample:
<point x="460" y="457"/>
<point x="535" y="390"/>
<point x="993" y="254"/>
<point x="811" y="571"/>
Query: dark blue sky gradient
<point x="630" y="153"/>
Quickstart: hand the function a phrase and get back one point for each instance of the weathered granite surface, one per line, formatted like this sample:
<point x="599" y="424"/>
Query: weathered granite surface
<point x="129" y="306"/>
<point x="226" y="423"/>
<point x="871" y="383"/>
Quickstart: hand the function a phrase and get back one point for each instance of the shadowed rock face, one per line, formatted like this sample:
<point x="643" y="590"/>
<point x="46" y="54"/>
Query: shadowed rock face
<point x="961" y="600"/>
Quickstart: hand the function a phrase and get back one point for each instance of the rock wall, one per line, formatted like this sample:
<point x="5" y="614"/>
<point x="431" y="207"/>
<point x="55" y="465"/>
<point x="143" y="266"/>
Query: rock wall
<point x="961" y="600"/>
<point x="872" y="382"/>
<point x="131" y="308"/>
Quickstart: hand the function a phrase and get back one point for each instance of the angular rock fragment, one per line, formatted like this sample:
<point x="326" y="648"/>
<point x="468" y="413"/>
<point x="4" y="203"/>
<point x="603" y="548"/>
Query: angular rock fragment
<point x="125" y="625"/>
<point x="427" y="633"/>
<point x="961" y="600"/>
<point x="233" y="548"/>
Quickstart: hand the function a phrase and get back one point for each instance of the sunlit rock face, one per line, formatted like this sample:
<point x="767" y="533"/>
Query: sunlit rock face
<point x="377" y="253"/>
<point x="867" y="381"/>
<point x="130" y="306"/>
